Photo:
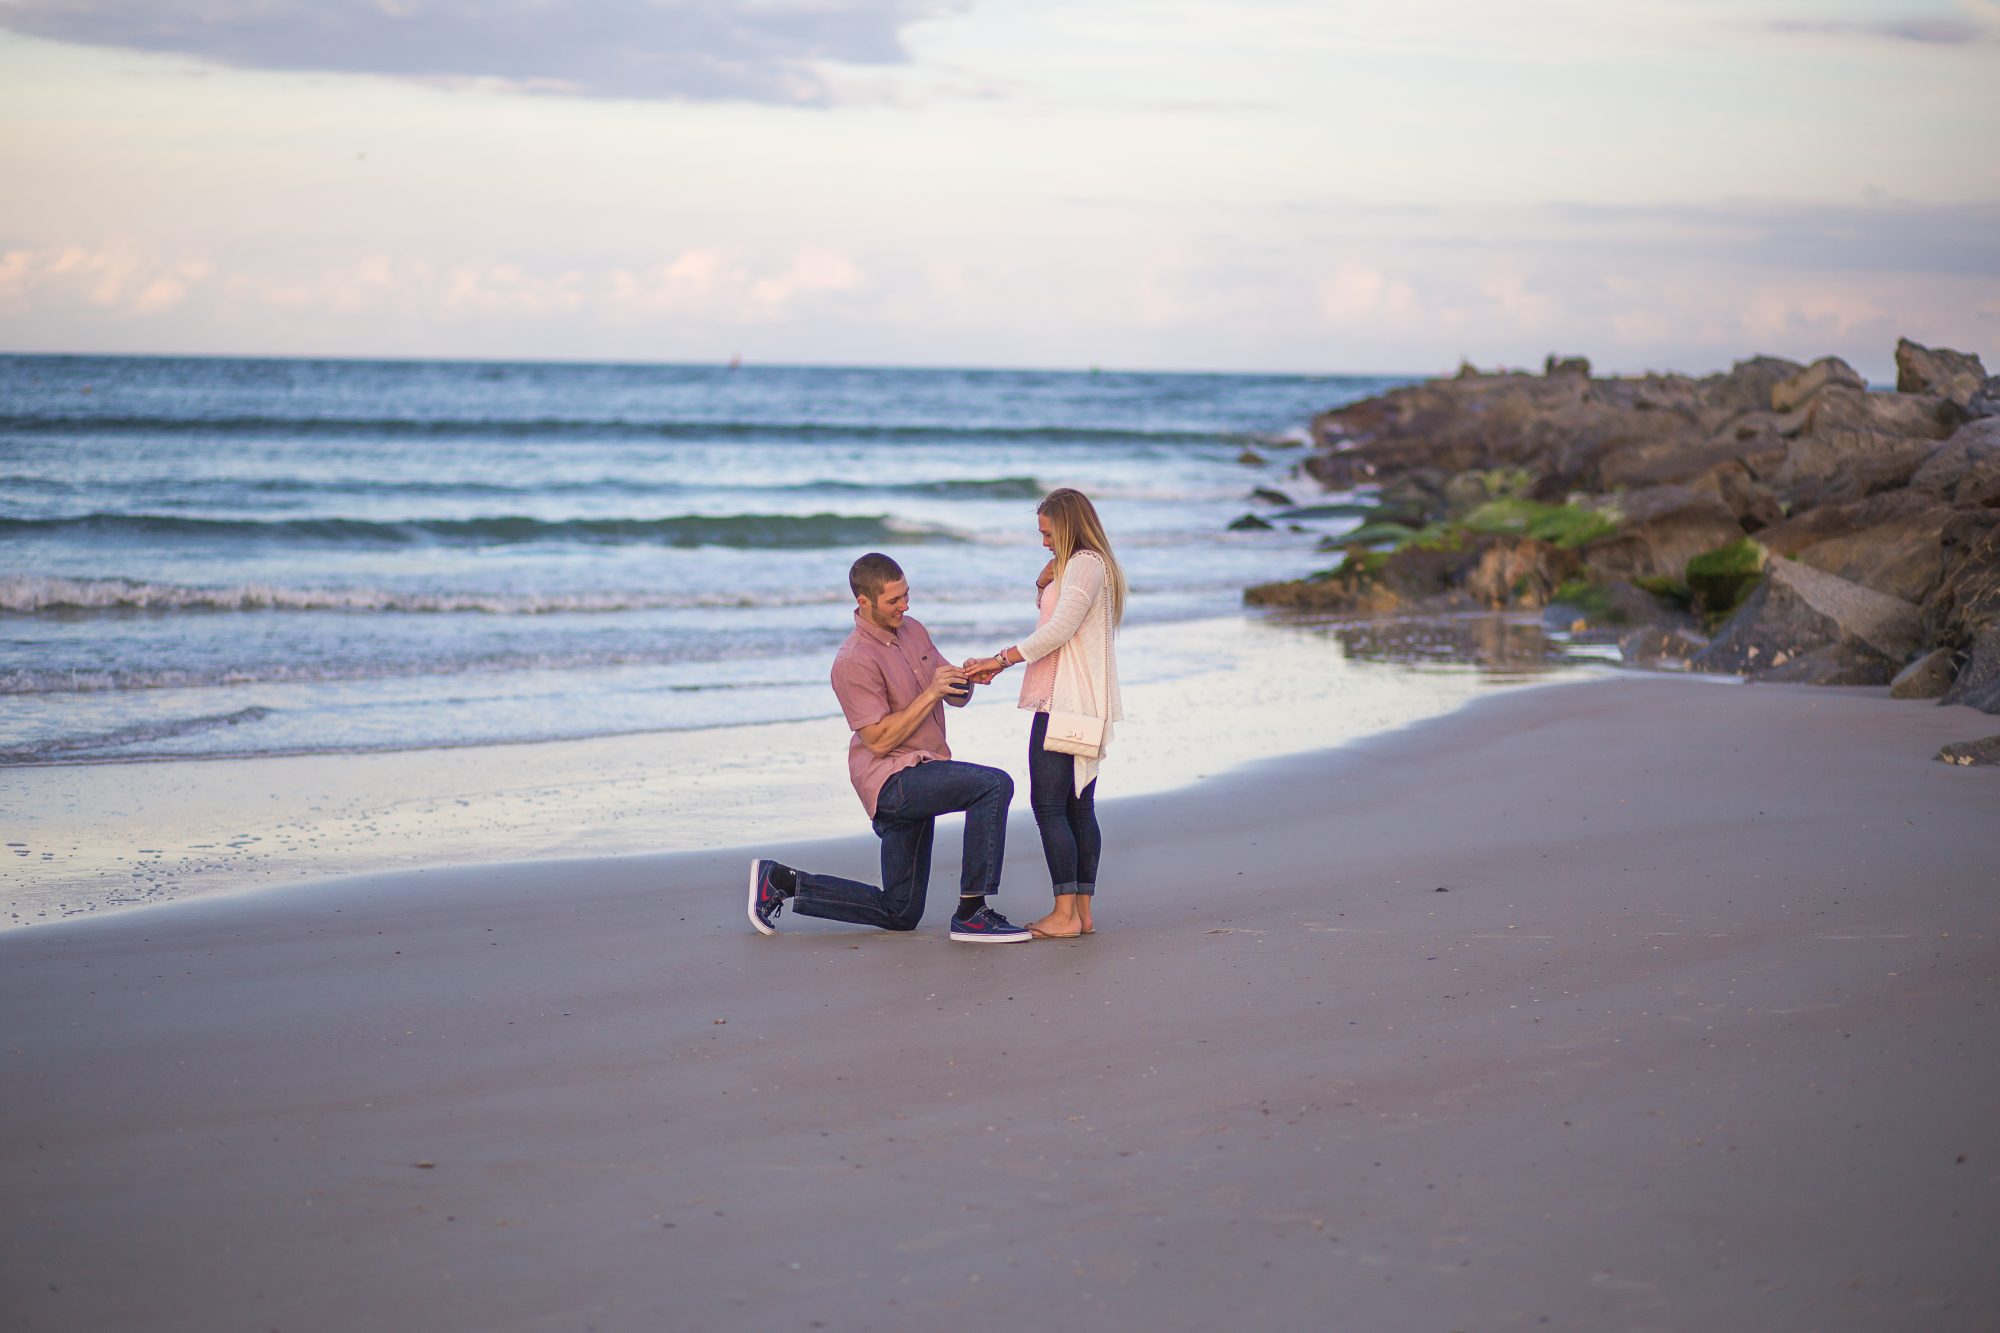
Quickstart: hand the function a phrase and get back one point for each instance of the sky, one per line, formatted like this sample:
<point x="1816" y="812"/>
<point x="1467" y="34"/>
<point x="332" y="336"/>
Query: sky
<point x="1264" y="185"/>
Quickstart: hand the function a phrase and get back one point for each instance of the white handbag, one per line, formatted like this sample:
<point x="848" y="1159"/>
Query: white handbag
<point x="1079" y="734"/>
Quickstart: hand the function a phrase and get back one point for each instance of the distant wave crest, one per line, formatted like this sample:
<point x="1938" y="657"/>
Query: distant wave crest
<point x="760" y="531"/>
<point x="971" y="488"/>
<point x="31" y="594"/>
<point x="616" y="428"/>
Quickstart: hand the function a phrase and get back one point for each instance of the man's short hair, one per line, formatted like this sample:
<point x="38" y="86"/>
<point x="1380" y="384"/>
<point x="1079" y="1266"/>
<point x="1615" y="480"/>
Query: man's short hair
<point x="872" y="573"/>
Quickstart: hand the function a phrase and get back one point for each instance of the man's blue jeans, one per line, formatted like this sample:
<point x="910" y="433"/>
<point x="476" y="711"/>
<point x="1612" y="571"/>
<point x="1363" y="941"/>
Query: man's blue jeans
<point x="905" y="818"/>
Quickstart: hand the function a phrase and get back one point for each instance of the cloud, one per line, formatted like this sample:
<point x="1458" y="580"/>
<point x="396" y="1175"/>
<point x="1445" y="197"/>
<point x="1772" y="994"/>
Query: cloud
<point x="714" y="284"/>
<point x="811" y="273"/>
<point x="1360" y="296"/>
<point x="1961" y="239"/>
<point x="1931" y="32"/>
<point x="123" y="279"/>
<point x="777" y="51"/>
<point x="1981" y="24"/>
<point x="120" y="277"/>
<point x="684" y="285"/>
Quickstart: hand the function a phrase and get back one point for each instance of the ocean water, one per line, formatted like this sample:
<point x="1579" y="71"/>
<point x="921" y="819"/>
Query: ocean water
<point x="208" y="557"/>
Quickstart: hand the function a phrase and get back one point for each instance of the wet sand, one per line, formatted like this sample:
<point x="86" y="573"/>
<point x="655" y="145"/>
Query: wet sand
<point x="104" y="837"/>
<point x="1647" y="1004"/>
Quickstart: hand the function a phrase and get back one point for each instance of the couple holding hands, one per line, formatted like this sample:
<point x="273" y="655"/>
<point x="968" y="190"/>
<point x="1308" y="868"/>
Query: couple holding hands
<point x="893" y="684"/>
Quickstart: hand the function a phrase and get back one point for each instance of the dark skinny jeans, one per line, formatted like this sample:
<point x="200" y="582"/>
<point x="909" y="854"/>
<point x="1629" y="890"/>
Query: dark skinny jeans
<point x="906" y="814"/>
<point x="1065" y="817"/>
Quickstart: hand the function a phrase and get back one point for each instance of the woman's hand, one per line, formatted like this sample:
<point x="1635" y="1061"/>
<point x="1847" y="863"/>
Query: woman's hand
<point x="1046" y="577"/>
<point x="982" y="670"/>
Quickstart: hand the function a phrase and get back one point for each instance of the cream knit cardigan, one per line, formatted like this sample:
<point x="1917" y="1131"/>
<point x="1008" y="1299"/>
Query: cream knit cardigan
<point x="1080" y="629"/>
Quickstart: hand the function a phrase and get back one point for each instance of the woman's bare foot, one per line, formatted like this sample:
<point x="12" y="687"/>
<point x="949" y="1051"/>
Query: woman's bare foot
<point x="1061" y="923"/>
<point x="1083" y="913"/>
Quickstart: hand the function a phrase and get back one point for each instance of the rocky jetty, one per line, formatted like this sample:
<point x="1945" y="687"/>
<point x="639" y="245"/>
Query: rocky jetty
<point x="1780" y="521"/>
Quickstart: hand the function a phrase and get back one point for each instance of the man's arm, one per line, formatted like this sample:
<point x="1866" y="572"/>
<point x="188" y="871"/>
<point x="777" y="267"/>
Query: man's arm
<point x="884" y="736"/>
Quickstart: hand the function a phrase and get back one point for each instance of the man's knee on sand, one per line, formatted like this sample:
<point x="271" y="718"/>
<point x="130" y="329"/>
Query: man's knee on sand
<point x="994" y="784"/>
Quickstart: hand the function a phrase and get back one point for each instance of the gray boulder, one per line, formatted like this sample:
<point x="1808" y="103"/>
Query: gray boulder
<point x="1661" y="528"/>
<point x="1515" y="571"/>
<point x="1679" y="459"/>
<point x="1795" y="534"/>
<point x="1848" y="443"/>
<point x="1747" y="387"/>
<point x="1802" y="624"/>
<point x="1893" y="543"/>
<point x="1985" y="403"/>
<point x="1661" y="647"/>
<point x="1845" y="407"/>
<point x="1926" y="678"/>
<point x="1755" y="505"/>
<point x="1984" y="752"/>
<point x="1788" y="394"/>
<point x="1965" y="469"/>
<point x="1846" y="467"/>
<point x="1978" y="681"/>
<point x="1966" y="602"/>
<point x="1983" y="431"/>
<point x="1607" y="612"/>
<point x="1949" y="374"/>
<point x="1340" y="471"/>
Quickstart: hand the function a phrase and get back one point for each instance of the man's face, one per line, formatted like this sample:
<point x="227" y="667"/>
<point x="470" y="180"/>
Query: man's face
<point x="889" y="606"/>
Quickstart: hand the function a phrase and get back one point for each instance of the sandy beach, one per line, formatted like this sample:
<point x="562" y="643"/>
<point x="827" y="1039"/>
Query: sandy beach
<point x="1631" y="1003"/>
<point x="1541" y="470"/>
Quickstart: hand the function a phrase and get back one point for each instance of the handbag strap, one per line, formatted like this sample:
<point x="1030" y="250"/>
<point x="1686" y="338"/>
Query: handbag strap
<point x="1102" y="695"/>
<point x="1104" y="595"/>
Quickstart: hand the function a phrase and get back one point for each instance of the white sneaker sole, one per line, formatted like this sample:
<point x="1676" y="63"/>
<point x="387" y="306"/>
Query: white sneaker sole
<point x="1022" y="938"/>
<point x="755" y="920"/>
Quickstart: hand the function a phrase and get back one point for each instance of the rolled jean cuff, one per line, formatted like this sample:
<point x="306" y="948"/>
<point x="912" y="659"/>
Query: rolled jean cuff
<point x="1061" y="889"/>
<point x="1087" y="890"/>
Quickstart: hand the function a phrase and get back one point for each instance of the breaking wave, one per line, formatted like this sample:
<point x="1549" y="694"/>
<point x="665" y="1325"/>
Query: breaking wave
<point x="62" y="747"/>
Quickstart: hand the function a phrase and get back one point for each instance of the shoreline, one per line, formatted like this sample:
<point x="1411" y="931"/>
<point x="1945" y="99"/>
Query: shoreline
<point x="117" y="837"/>
<point x="1629" y="1003"/>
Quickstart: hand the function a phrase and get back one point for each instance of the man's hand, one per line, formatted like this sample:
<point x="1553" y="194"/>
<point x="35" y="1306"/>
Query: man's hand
<point x="949" y="684"/>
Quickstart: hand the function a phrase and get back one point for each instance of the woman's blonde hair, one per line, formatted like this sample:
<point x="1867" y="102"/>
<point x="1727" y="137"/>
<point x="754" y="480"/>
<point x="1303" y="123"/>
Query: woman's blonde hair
<point x="1074" y="526"/>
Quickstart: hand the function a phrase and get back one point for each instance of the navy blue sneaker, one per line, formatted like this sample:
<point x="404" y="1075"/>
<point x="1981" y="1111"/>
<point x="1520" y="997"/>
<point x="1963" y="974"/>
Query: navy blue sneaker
<point x="987" y="926"/>
<point x="766" y="898"/>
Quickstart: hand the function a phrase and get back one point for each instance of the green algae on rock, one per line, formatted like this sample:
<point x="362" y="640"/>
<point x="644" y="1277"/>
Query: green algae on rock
<point x="1721" y="580"/>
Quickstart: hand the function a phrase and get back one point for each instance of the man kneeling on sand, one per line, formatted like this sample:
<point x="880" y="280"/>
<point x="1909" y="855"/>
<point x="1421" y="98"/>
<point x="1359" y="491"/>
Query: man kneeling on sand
<point x="893" y="684"/>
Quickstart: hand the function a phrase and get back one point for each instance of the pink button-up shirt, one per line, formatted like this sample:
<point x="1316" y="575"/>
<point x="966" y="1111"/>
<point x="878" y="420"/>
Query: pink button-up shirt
<point x="878" y="673"/>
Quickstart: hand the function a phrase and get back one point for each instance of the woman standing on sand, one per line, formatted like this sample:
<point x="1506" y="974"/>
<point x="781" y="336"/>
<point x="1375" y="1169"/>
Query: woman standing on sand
<point x="1072" y="670"/>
